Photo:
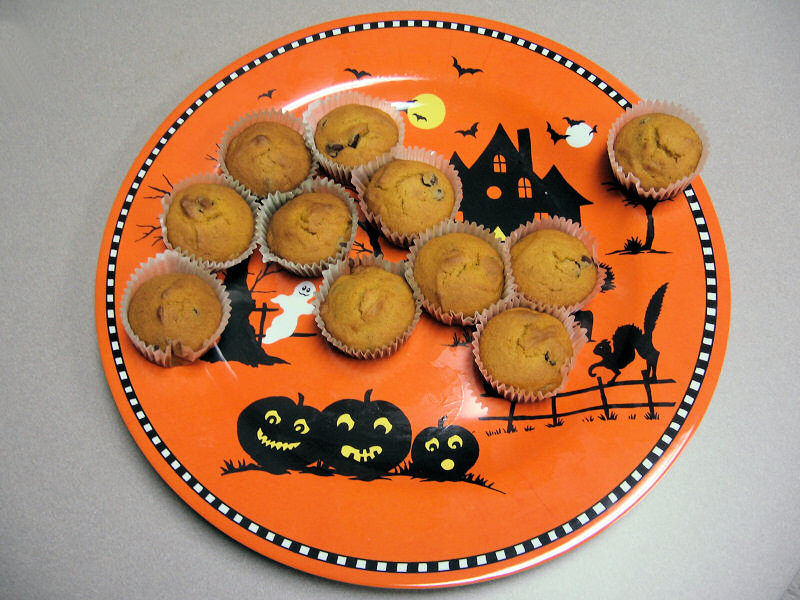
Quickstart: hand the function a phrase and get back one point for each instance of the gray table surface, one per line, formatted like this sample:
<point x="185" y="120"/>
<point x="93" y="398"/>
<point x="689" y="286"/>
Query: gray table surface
<point x="84" y="515"/>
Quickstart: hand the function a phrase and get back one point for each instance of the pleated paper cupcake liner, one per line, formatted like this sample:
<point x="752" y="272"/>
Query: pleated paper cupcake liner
<point x="172" y="262"/>
<point x="271" y="206"/>
<point x="264" y="116"/>
<point x="252" y="202"/>
<point x="345" y="267"/>
<point x="479" y="231"/>
<point x="570" y="228"/>
<point x="577" y="337"/>
<point x="629" y="180"/>
<point x="361" y="176"/>
<point x="319" y="108"/>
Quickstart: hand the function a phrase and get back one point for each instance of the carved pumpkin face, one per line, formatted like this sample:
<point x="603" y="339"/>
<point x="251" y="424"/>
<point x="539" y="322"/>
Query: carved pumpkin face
<point x="364" y="439"/>
<point x="278" y="434"/>
<point x="444" y="453"/>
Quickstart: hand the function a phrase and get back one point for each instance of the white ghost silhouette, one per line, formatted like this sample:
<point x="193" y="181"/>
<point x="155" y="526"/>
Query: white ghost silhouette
<point x="293" y="306"/>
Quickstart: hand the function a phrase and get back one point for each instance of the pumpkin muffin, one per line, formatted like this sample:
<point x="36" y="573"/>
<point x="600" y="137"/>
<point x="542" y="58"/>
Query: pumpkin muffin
<point x="175" y="310"/>
<point x="210" y="221"/>
<point x="354" y="134"/>
<point x="658" y="149"/>
<point x="368" y="309"/>
<point x="268" y="158"/>
<point x="409" y="196"/>
<point x="459" y="272"/>
<point x="309" y="228"/>
<point x="553" y="268"/>
<point x="525" y="349"/>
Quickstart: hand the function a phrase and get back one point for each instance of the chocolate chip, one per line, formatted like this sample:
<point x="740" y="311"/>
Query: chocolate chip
<point x="333" y="149"/>
<point x="429" y="179"/>
<point x="354" y="141"/>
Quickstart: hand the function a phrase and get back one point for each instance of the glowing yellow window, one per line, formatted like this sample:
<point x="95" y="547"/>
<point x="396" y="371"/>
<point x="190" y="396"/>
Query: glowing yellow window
<point x="524" y="188"/>
<point x="499" y="163"/>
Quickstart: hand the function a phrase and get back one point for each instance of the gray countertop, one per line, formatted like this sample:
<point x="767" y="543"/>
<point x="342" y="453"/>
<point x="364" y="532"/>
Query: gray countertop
<point x="84" y="515"/>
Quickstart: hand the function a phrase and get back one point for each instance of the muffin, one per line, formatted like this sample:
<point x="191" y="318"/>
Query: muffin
<point x="554" y="268"/>
<point x="209" y="221"/>
<point x="658" y="149"/>
<point x="459" y="272"/>
<point x="268" y="157"/>
<point x="409" y="196"/>
<point x="354" y="134"/>
<point x="309" y="228"/>
<point x="525" y="349"/>
<point x="175" y="311"/>
<point x="368" y="308"/>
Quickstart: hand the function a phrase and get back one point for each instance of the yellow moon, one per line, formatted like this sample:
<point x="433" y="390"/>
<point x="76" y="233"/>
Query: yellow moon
<point x="426" y="111"/>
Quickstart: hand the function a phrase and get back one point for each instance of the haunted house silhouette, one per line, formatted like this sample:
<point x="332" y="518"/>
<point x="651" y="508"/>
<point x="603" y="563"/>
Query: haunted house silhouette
<point x="502" y="191"/>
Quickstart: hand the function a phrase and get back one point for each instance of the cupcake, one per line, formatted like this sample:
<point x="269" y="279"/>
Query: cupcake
<point x="173" y="310"/>
<point x="409" y="193"/>
<point x="348" y="130"/>
<point x="209" y="220"/>
<point x="267" y="153"/>
<point x="461" y="269"/>
<point x="526" y="354"/>
<point x="305" y="232"/>
<point x="366" y="310"/>
<point x="553" y="263"/>
<point x="657" y="148"/>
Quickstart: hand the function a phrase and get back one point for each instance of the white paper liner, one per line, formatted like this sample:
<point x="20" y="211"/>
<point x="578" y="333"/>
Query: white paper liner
<point x="166" y="202"/>
<point x="577" y="337"/>
<point x="361" y="176"/>
<point x="629" y="180"/>
<point x="575" y="230"/>
<point x="344" y="267"/>
<point x="172" y="262"/>
<point x="271" y="206"/>
<point x="264" y="116"/>
<point x="479" y="231"/>
<point x="319" y="108"/>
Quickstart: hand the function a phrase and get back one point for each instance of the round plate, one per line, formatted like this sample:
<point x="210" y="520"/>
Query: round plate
<point x="525" y="121"/>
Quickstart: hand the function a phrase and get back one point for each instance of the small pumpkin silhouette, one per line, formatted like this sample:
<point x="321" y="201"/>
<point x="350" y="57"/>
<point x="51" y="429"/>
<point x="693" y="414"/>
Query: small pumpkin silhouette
<point x="278" y="434"/>
<point x="443" y="453"/>
<point x="365" y="439"/>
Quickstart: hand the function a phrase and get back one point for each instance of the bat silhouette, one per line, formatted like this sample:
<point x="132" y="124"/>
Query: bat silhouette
<point x="471" y="131"/>
<point x="418" y="117"/>
<point x="554" y="135"/>
<point x="574" y="121"/>
<point x="267" y="94"/>
<point x="357" y="73"/>
<point x="464" y="70"/>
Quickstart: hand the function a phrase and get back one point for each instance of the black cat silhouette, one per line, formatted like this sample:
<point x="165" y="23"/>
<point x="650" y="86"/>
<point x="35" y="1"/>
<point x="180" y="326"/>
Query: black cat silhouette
<point x="628" y="340"/>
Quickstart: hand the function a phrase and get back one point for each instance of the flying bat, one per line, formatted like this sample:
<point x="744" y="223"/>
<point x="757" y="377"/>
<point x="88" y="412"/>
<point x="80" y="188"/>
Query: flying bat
<point x="471" y="131"/>
<point x="464" y="70"/>
<point x="418" y="117"/>
<point x="267" y="94"/>
<point x="357" y="73"/>
<point x="554" y="135"/>
<point x="574" y="121"/>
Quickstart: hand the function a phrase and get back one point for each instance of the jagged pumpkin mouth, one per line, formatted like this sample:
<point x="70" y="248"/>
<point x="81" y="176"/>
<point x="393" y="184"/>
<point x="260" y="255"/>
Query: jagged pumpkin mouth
<point x="361" y="455"/>
<point x="274" y="444"/>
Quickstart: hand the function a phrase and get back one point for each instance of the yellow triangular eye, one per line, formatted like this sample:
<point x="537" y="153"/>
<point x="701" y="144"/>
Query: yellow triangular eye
<point x="272" y="417"/>
<point x="345" y="420"/>
<point x="301" y="426"/>
<point x="432" y="444"/>
<point x="498" y="233"/>
<point x="382" y="422"/>
<point x="455" y="441"/>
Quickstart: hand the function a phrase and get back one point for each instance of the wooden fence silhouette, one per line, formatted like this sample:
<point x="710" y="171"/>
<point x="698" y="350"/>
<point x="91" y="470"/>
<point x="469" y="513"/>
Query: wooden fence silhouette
<point x="555" y="418"/>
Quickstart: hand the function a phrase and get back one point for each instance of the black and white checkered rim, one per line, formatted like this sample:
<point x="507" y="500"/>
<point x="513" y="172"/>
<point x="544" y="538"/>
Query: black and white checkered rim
<point x="499" y="555"/>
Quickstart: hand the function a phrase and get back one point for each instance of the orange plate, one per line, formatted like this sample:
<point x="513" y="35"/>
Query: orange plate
<point x="548" y="475"/>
